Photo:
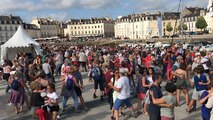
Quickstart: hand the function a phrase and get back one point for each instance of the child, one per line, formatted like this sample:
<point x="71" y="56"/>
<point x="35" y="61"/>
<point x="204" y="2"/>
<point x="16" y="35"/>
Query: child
<point x="52" y="101"/>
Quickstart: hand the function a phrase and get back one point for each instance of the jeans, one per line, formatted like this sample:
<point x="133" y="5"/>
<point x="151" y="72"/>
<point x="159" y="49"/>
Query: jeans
<point x="75" y="98"/>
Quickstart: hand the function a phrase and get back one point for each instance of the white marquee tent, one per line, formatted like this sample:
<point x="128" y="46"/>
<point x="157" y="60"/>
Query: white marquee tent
<point x="20" y="42"/>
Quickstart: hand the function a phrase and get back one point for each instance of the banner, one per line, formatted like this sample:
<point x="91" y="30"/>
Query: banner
<point x="160" y="26"/>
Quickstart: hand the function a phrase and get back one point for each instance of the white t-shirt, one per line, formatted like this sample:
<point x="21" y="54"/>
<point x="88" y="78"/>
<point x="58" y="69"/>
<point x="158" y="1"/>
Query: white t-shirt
<point x="203" y="62"/>
<point x="82" y="57"/>
<point x="150" y="80"/>
<point x="52" y="96"/>
<point x="115" y="93"/>
<point x="123" y="84"/>
<point x="46" y="67"/>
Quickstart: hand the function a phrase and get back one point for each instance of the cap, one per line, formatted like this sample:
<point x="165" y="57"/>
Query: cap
<point x="179" y="57"/>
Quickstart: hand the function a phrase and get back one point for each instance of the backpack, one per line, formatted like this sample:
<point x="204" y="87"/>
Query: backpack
<point x="96" y="73"/>
<point x="69" y="83"/>
<point x="15" y="85"/>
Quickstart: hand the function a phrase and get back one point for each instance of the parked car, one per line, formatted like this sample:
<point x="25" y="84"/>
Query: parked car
<point x="155" y="37"/>
<point x="175" y="35"/>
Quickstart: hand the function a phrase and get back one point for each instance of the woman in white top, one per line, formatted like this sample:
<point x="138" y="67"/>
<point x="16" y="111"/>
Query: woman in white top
<point x="52" y="101"/>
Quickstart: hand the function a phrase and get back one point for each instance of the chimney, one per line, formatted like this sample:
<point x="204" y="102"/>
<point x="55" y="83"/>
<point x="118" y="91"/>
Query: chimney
<point x="10" y="16"/>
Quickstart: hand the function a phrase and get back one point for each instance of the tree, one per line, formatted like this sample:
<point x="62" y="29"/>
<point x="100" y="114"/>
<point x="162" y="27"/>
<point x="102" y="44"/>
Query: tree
<point x="182" y="25"/>
<point x="169" y="27"/>
<point x="201" y="23"/>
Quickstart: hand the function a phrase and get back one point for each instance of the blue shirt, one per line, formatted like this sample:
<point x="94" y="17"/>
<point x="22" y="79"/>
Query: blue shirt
<point x="204" y="110"/>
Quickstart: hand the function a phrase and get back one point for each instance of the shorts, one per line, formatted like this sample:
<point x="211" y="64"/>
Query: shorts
<point x="54" y="108"/>
<point x="141" y="96"/>
<point x="196" y="94"/>
<point x="181" y="84"/>
<point x="78" y="91"/>
<point x="6" y="76"/>
<point x="99" y="83"/>
<point x="119" y="103"/>
<point x="83" y="64"/>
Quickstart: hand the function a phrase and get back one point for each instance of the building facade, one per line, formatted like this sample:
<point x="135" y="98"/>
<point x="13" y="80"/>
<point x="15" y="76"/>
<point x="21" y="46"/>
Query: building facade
<point x="32" y="30"/>
<point x="209" y="16"/>
<point x="93" y="27"/>
<point x="48" y="27"/>
<point x="8" y="26"/>
<point x="144" y="26"/>
<point x="189" y="17"/>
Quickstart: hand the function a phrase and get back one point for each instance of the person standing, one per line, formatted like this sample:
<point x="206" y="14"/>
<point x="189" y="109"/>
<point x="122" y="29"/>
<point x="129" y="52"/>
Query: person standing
<point x="154" y="109"/>
<point x="98" y="75"/>
<point x="6" y="73"/>
<point x="47" y="69"/>
<point x="68" y="89"/>
<point x="78" y="90"/>
<point x="123" y="87"/>
<point x="169" y="99"/>
<point x="52" y="101"/>
<point x="83" y="61"/>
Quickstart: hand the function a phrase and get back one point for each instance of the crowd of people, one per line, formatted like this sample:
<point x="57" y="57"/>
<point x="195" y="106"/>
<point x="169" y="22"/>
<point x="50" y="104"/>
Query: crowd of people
<point x="118" y="72"/>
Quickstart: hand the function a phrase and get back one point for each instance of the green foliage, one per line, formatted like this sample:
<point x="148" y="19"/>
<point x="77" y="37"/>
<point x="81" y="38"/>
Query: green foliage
<point x="201" y="23"/>
<point x="169" y="27"/>
<point x="184" y="26"/>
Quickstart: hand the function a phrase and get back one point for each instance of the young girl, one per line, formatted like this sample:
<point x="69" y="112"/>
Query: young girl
<point x="17" y="83"/>
<point x="52" y="101"/>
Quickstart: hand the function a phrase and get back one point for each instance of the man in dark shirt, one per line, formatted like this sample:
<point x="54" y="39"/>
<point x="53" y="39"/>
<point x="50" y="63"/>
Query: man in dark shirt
<point x="154" y="110"/>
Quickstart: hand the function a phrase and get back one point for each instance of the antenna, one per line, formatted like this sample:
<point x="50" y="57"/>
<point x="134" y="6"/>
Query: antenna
<point x="176" y="20"/>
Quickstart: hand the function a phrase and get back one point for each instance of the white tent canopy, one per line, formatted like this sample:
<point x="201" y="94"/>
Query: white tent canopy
<point x="19" y="42"/>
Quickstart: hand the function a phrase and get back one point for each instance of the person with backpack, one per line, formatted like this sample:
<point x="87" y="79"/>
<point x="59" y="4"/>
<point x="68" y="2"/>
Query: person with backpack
<point x="78" y="90"/>
<point x="97" y="75"/>
<point x="68" y="90"/>
<point x="17" y="97"/>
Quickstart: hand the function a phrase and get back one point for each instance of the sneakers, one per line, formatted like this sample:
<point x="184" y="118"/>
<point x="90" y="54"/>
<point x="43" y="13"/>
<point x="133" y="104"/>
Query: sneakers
<point x="77" y="111"/>
<point x="94" y="95"/>
<point x="58" y="116"/>
<point x="9" y="104"/>
<point x="85" y="108"/>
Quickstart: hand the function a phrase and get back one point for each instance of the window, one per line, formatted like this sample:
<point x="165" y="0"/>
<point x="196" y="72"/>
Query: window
<point x="11" y="28"/>
<point x="0" y="28"/>
<point x="16" y="28"/>
<point x="75" y="27"/>
<point x="6" y="35"/>
<point x="85" y="27"/>
<point x="5" y="28"/>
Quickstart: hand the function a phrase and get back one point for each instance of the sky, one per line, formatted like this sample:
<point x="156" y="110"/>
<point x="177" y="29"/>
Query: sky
<point x="65" y="9"/>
